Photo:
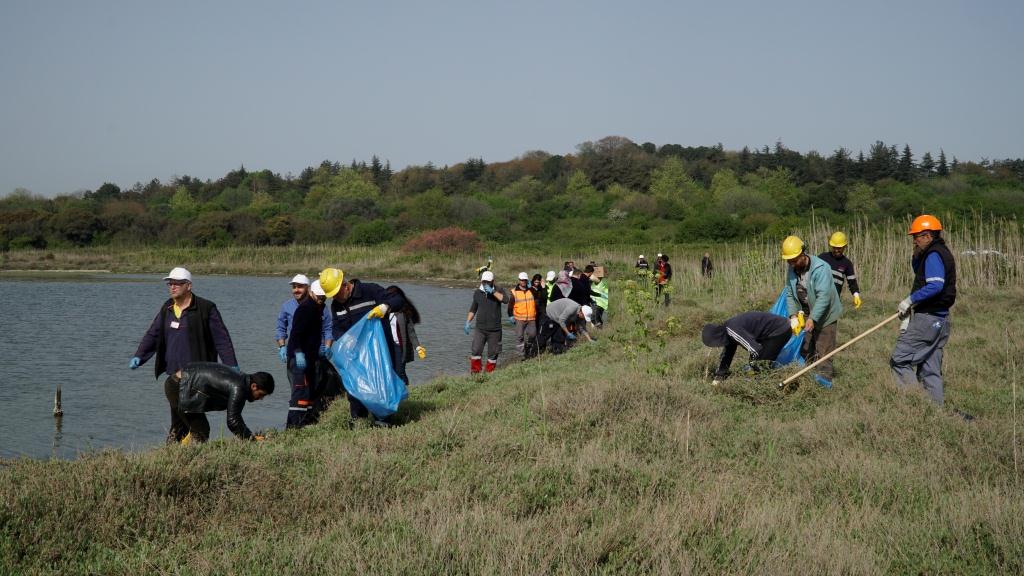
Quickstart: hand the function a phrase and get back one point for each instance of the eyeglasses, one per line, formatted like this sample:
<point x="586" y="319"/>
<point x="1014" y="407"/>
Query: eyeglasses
<point x="177" y="282"/>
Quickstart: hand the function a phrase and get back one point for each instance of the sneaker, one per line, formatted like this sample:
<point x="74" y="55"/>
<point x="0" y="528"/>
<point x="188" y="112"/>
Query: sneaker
<point x="822" y="381"/>
<point x="382" y="424"/>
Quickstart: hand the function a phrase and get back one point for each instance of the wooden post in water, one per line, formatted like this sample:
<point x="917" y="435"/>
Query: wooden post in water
<point x="58" y="411"/>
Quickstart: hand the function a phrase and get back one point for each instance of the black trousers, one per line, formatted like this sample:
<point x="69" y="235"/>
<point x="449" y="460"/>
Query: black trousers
<point x="182" y="423"/>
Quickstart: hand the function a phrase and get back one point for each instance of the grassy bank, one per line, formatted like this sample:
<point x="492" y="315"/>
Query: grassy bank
<point x="578" y="463"/>
<point x="593" y="461"/>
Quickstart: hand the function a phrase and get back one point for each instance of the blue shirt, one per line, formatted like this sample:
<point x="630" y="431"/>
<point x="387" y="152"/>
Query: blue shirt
<point x="284" y="319"/>
<point x="934" y="277"/>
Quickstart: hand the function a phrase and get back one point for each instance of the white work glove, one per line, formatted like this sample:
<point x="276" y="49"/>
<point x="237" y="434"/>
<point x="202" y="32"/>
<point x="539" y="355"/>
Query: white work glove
<point x="904" y="324"/>
<point x="904" y="308"/>
<point x="716" y="382"/>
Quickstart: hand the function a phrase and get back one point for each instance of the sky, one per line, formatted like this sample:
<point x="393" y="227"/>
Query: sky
<point x="128" y="91"/>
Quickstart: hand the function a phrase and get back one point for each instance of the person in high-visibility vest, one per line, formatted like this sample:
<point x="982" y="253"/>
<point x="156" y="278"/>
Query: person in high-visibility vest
<point x="600" y="288"/>
<point x="522" y="311"/>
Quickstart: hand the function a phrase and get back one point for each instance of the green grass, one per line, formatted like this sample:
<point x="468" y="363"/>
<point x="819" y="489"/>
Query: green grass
<point x="583" y="463"/>
<point x="578" y="463"/>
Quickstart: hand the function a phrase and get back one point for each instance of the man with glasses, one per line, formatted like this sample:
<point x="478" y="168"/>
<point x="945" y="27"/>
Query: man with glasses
<point x="186" y="329"/>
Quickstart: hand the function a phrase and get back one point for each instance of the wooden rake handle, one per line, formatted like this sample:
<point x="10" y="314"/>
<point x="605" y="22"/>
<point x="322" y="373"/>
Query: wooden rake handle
<point x="810" y="366"/>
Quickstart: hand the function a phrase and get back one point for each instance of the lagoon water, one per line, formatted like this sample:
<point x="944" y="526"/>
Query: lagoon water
<point x="80" y="331"/>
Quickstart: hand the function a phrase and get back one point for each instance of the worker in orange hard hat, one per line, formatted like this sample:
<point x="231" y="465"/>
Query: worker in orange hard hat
<point x="917" y="357"/>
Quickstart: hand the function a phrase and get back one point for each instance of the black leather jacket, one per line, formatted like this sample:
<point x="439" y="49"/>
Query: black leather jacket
<point x="211" y="387"/>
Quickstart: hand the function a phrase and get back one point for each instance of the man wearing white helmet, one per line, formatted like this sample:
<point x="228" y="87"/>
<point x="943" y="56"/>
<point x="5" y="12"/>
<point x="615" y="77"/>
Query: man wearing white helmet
<point x="301" y="350"/>
<point x="186" y="329"/>
<point x="328" y="383"/>
<point x="486" y="308"/>
<point x="522" y="311"/>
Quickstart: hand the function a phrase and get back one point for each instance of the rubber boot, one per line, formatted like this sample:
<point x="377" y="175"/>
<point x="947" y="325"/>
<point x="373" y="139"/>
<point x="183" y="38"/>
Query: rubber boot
<point x="490" y="365"/>
<point x="475" y="365"/>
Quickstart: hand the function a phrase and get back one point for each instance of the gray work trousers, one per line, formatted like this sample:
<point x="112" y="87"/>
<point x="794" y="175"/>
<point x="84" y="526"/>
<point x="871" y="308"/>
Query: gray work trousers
<point x="818" y="343"/>
<point x="490" y="337"/>
<point x="917" y="357"/>
<point x="526" y="330"/>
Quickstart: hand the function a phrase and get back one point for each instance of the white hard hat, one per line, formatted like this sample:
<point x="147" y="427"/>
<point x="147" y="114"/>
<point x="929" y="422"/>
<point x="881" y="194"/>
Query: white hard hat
<point x="588" y="313"/>
<point x="315" y="288"/>
<point x="641" y="256"/>
<point x="300" y="279"/>
<point x="551" y="275"/>
<point x="487" y="276"/>
<point x="659" y="254"/>
<point x="524" y="276"/>
<point x="179" y="274"/>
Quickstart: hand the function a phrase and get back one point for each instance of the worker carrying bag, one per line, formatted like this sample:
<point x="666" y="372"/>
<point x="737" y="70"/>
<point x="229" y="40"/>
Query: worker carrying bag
<point x="363" y="359"/>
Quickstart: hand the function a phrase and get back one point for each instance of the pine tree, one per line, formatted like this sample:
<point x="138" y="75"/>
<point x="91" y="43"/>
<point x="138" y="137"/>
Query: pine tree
<point x="745" y="163"/>
<point x="905" y="171"/>
<point x="927" y="165"/>
<point x="942" y="169"/>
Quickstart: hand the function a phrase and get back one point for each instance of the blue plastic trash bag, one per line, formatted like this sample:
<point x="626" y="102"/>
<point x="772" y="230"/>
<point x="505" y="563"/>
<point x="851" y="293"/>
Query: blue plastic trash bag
<point x="779" y="308"/>
<point x="791" y="351"/>
<point x="363" y="359"/>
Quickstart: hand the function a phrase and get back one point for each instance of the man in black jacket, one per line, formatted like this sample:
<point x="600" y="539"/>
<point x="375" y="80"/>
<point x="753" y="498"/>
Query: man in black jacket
<point x="763" y="334"/>
<point x="351" y="301"/>
<point x="211" y="387"/>
<point x="186" y="329"/>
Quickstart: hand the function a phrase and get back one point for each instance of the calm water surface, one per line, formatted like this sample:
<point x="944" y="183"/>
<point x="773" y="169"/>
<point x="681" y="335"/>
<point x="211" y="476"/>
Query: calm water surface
<point x="79" y="332"/>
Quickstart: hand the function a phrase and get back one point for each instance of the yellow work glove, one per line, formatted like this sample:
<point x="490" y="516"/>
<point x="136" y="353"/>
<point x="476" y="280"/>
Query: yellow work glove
<point x="187" y="439"/>
<point x="259" y="437"/>
<point x="421" y="352"/>
<point x="378" y="311"/>
<point x="856" y="300"/>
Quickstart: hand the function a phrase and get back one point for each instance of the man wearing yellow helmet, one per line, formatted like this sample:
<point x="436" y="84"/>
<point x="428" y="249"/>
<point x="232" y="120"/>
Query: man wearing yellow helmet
<point x="810" y="291"/>
<point x="842" y="267"/>
<point x="351" y="301"/>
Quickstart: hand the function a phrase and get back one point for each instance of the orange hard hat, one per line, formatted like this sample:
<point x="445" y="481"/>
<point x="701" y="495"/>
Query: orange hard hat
<point x="925" y="222"/>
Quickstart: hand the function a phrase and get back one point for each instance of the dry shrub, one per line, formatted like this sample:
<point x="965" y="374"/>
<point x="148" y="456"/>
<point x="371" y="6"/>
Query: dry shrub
<point x="446" y="241"/>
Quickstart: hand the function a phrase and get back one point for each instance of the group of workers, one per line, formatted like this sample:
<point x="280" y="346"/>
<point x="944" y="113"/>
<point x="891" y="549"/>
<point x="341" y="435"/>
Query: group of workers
<point x="813" y="288"/>
<point x="660" y="273"/>
<point x="188" y="335"/>
<point x="549" y="312"/>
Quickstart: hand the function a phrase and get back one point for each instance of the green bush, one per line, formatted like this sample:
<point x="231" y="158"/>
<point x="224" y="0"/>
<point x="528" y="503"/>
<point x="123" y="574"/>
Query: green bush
<point x="371" y="233"/>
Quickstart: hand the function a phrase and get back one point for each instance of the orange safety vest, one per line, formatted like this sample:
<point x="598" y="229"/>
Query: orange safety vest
<point x="524" y="308"/>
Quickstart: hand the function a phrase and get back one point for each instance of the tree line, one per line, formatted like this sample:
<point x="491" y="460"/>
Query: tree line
<point x="610" y="191"/>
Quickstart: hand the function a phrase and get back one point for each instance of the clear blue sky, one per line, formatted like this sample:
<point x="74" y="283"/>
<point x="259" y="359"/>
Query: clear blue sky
<point x="126" y="91"/>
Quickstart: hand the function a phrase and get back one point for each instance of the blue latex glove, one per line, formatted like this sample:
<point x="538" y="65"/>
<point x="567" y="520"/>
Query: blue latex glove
<point x="323" y="351"/>
<point x="511" y="321"/>
<point x="300" y="360"/>
<point x="326" y="352"/>
<point x="235" y="369"/>
<point x="282" y="353"/>
<point x="822" y="381"/>
<point x="570" y="336"/>
<point x="134" y="362"/>
<point x="467" y="328"/>
<point x="488" y="289"/>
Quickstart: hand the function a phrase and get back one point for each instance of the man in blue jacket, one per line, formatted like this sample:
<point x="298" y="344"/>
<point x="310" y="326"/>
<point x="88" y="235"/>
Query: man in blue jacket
<point x="811" y="295"/>
<point x="917" y="357"/>
<point x="351" y="301"/>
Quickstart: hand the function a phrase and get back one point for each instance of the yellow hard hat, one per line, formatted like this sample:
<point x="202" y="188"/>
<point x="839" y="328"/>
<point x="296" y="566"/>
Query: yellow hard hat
<point x="792" y="247"/>
<point x="331" y="280"/>
<point x="837" y="240"/>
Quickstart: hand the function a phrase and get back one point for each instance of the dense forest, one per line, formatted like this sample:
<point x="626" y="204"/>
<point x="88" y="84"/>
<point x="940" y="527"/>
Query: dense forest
<point x="610" y="191"/>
